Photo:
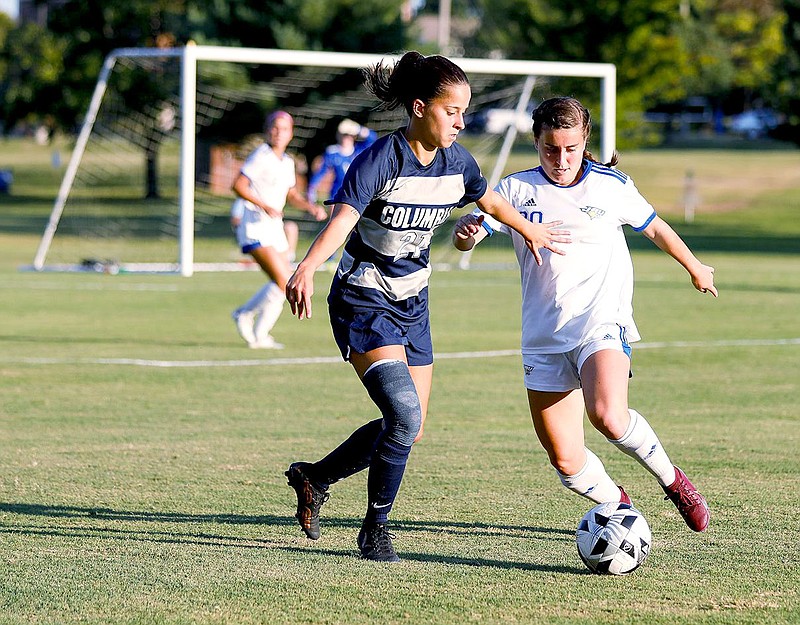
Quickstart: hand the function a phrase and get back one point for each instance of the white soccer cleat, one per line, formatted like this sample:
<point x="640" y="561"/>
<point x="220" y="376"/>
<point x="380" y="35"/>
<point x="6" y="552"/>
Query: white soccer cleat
<point x="268" y="342"/>
<point x="244" y="325"/>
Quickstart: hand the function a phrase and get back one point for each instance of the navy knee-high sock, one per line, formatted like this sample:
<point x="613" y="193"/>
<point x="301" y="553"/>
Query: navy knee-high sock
<point x="352" y="456"/>
<point x="391" y="387"/>
<point x="385" y="475"/>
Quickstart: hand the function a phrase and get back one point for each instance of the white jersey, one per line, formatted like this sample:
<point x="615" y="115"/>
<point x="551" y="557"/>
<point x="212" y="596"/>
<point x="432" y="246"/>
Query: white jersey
<point x="270" y="176"/>
<point x="567" y="298"/>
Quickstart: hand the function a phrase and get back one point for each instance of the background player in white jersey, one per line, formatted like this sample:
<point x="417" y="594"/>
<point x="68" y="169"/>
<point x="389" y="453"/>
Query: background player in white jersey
<point x="577" y="311"/>
<point x="395" y="194"/>
<point x="290" y="228"/>
<point x="266" y="182"/>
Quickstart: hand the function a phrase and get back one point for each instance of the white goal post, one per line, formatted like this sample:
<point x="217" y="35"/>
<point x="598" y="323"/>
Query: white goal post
<point x="186" y="122"/>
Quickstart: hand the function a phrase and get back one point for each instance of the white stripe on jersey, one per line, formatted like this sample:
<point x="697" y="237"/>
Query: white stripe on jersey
<point x="423" y="191"/>
<point x="396" y="289"/>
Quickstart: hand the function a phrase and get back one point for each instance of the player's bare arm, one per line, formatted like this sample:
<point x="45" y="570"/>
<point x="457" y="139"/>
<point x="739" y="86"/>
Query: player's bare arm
<point x="662" y="234"/>
<point x="243" y="189"/>
<point x="298" y="199"/>
<point x="300" y="287"/>
<point x="536" y="235"/>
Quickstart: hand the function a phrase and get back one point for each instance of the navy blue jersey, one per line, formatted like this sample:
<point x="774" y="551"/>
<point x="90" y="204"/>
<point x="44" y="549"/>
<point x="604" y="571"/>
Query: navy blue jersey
<point x="385" y="263"/>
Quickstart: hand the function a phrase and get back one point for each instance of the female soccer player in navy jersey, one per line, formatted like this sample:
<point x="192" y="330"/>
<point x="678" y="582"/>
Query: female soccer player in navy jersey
<point x="577" y="311"/>
<point x="395" y="194"/>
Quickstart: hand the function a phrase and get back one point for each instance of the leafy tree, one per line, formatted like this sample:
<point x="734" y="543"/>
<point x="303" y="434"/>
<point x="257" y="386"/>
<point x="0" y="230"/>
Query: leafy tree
<point x="734" y="46"/>
<point x="787" y="89"/>
<point x="334" y="25"/>
<point x="664" y="50"/>
<point x="89" y="29"/>
<point x="636" y="35"/>
<point x="31" y="64"/>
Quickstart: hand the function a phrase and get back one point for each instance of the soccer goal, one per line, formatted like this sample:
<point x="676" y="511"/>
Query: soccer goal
<point x="148" y="184"/>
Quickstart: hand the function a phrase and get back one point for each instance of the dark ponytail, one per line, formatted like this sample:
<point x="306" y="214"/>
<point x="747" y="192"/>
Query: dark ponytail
<point x="413" y="77"/>
<point x="565" y="112"/>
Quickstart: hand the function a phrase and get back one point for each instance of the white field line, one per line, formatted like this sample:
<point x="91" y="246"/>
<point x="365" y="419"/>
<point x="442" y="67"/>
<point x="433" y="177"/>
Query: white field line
<point x="326" y="360"/>
<point x="60" y="286"/>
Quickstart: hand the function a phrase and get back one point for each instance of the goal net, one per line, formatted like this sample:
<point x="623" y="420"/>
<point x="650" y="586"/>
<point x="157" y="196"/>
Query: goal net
<point x="148" y="184"/>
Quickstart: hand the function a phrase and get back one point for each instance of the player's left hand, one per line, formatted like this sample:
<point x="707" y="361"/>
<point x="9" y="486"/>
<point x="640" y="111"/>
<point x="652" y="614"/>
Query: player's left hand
<point x="546" y="236"/>
<point x="467" y="226"/>
<point x="703" y="280"/>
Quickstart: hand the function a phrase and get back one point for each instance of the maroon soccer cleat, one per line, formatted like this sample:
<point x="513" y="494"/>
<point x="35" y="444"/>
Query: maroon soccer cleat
<point x="689" y="502"/>
<point x="623" y="496"/>
<point x="310" y="498"/>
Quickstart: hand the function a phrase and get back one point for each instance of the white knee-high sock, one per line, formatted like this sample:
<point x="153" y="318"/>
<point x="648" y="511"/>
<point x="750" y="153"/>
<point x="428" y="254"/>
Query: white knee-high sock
<point x="641" y="443"/>
<point x="592" y="481"/>
<point x="255" y="303"/>
<point x="271" y="309"/>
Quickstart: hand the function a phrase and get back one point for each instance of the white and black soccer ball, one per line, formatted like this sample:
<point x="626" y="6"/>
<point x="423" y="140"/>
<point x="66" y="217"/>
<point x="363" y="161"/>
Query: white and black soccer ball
<point x="613" y="539"/>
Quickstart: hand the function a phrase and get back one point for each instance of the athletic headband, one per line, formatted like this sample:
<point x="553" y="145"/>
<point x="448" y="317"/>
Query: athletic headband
<point x="279" y="115"/>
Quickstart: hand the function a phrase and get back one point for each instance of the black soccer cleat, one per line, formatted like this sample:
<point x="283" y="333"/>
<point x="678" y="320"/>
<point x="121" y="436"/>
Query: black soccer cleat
<point x="310" y="498"/>
<point x="375" y="543"/>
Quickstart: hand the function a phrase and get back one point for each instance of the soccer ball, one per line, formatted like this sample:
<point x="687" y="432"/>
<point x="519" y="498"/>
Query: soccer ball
<point x="613" y="539"/>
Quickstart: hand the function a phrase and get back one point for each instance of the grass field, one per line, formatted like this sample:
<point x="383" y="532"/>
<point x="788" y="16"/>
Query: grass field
<point x="143" y="447"/>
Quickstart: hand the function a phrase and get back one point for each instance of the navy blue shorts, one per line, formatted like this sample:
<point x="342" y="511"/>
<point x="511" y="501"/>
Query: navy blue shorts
<point x="367" y="329"/>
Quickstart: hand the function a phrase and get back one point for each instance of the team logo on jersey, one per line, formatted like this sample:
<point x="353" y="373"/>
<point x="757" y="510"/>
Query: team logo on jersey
<point x="528" y="369"/>
<point x="593" y="211"/>
<point x="530" y="202"/>
<point x="418" y="217"/>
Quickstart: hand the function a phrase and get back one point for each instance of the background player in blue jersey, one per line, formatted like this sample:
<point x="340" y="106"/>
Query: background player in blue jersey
<point x="395" y="194"/>
<point x="351" y="140"/>
<point x="577" y="310"/>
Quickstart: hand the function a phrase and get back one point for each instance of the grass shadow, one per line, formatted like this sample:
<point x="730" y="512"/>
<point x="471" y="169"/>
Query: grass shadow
<point x="109" y="514"/>
<point x="204" y="539"/>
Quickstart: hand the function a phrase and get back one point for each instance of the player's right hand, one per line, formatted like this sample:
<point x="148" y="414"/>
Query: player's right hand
<point x="299" y="290"/>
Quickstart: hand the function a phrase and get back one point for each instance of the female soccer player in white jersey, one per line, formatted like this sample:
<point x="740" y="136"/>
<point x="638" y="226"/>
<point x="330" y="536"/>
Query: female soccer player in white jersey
<point x="394" y="196"/>
<point x="577" y="312"/>
<point x="266" y="181"/>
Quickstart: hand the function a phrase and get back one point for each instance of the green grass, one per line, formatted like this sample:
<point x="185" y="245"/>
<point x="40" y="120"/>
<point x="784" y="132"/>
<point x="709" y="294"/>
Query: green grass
<point x="154" y="494"/>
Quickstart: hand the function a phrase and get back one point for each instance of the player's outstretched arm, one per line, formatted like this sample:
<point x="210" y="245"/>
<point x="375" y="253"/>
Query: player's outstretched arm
<point x="662" y="234"/>
<point x="300" y="286"/>
<point x="536" y="235"/>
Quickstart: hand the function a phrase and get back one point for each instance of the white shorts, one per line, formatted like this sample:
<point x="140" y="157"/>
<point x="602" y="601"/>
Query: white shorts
<point x="558" y="373"/>
<point x="260" y="230"/>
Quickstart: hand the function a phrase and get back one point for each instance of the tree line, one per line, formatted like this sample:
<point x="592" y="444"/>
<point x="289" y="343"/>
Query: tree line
<point x="736" y="54"/>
